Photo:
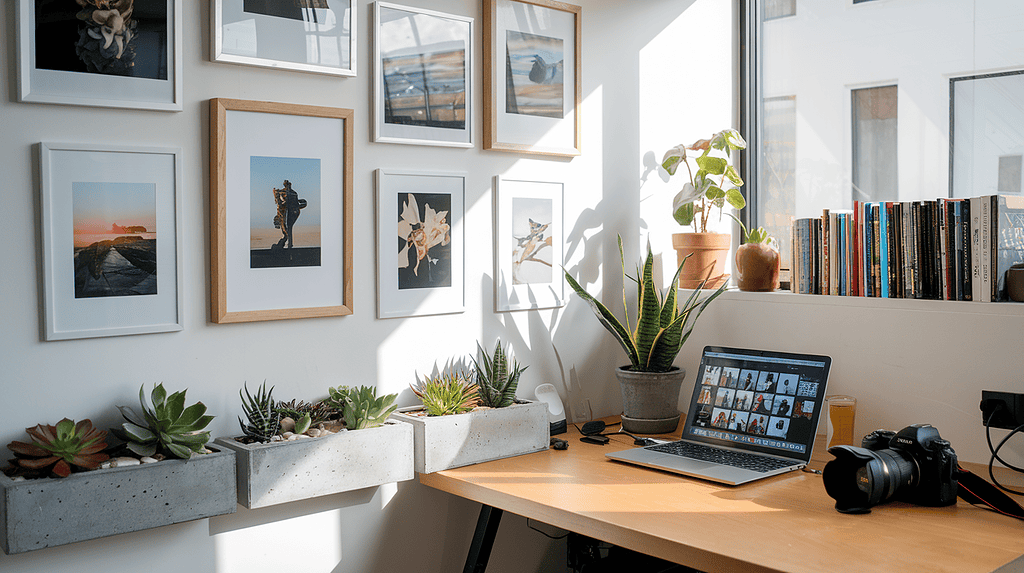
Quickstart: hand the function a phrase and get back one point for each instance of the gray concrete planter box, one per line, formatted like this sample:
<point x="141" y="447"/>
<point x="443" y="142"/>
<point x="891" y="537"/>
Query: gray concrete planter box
<point x="40" y="513"/>
<point x="445" y="442"/>
<point x="279" y="472"/>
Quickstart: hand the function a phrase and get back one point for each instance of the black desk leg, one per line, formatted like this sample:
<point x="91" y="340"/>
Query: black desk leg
<point x="483" y="539"/>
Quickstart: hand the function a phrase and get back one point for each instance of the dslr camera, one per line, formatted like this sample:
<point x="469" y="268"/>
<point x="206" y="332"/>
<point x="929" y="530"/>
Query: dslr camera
<point x="914" y="465"/>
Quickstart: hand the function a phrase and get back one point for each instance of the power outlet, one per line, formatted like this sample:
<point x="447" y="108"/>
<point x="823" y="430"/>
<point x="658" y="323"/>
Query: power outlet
<point x="1009" y="416"/>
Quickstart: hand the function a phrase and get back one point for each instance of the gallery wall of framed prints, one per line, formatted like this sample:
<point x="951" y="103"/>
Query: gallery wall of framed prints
<point x="281" y="211"/>
<point x="85" y="55"/>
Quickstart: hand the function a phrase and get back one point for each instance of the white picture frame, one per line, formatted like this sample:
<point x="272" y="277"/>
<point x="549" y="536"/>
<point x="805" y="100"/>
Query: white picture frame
<point x="60" y="76"/>
<point x="410" y="201"/>
<point x="304" y="39"/>
<point x="529" y="244"/>
<point x="105" y="282"/>
<point x="416" y="54"/>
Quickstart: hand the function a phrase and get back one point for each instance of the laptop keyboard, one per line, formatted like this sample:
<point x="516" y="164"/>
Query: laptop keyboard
<point x="717" y="455"/>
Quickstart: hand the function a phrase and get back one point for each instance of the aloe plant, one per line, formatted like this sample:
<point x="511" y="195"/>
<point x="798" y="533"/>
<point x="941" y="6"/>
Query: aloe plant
<point x="661" y="328"/>
<point x="59" y="449"/>
<point x="262" y="421"/>
<point x="447" y="394"/>
<point x="497" y="378"/>
<point x="168" y="427"/>
<point x="361" y="407"/>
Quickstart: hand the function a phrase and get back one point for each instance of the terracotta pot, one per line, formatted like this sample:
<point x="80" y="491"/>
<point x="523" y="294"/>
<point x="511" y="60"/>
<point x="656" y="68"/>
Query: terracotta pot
<point x="757" y="267"/>
<point x="708" y="261"/>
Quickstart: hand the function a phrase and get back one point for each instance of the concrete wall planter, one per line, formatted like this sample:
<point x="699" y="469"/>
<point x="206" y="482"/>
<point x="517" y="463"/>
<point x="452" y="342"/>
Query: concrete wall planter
<point x="279" y="472"/>
<point x="445" y="442"/>
<point x="40" y="513"/>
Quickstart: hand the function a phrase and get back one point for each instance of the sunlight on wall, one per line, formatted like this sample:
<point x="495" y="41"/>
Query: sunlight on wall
<point x="312" y="542"/>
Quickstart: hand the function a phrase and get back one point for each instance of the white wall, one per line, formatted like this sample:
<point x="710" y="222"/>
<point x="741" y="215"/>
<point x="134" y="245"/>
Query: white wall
<point x="406" y="526"/>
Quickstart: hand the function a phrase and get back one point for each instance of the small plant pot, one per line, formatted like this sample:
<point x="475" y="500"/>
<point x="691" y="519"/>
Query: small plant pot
<point x="650" y="400"/>
<point x="757" y="267"/>
<point x="279" y="472"/>
<point x="445" y="442"/>
<point x="40" y="513"/>
<point x="708" y="251"/>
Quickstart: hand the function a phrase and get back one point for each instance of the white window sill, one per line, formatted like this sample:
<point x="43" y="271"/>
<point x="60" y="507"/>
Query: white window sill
<point x="900" y="304"/>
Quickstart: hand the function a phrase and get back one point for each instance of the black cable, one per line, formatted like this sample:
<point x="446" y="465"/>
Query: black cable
<point x="549" y="536"/>
<point x="995" y="456"/>
<point x="988" y="438"/>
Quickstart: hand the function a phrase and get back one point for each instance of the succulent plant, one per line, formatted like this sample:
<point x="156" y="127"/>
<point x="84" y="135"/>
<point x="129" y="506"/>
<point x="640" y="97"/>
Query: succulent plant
<point x="318" y="412"/>
<point x="59" y="448"/>
<point x="447" y="393"/>
<point x="168" y="427"/>
<point x="361" y="407"/>
<point x="264" y="422"/>
<point x="497" y="378"/>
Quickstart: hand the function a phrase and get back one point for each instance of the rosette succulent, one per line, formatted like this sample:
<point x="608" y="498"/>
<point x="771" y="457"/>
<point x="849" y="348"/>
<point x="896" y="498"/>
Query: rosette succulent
<point x="59" y="449"/>
<point x="361" y="407"/>
<point x="446" y="394"/>
<point x="168" y="427"/>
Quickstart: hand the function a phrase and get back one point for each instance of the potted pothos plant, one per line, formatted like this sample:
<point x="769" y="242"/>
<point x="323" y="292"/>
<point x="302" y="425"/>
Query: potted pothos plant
<point x="715" y="183"/>
<point x="650" y="383"/>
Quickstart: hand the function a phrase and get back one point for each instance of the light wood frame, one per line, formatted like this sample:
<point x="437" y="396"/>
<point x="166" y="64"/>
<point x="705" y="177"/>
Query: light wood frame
<point x="219" y="194"/>
<point x="495" y="71"/>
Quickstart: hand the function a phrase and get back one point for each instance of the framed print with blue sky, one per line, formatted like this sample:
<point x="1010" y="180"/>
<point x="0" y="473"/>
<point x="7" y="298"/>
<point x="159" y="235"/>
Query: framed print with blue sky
<point x="281" y="211"/>
<point x="117" y="53"/>
<point x="111" y="240"/>
<point x="304" y="35"/>
<point x="420" y="243"/>
<point x="532" y="77"/>
<point x="529" y="244"/>
<point x="423" y="79"/>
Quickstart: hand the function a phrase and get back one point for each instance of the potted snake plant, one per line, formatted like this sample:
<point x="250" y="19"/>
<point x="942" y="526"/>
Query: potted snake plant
<point x="650" y="383"/>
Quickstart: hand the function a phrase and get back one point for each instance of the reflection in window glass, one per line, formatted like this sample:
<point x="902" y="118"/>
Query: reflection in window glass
<point x="874" y="173"/>
<point x="779" y="9"/>
<point x="988" y="133"/>
<point x="1009" y="174"/>
<point x="778" y="169"/>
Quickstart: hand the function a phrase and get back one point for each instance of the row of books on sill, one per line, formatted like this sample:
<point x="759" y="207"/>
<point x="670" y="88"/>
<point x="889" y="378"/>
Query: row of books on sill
<point x="946" y="249"/>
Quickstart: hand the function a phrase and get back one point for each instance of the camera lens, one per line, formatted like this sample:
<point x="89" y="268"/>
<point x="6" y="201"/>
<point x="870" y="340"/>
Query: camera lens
<point x="860" y="478"/>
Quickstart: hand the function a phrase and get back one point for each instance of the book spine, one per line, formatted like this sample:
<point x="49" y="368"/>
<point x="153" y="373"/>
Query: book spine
<point x="940" y="274"/>
<point x="966" y="249"/>
<point x="825" y="262"/>
<point x="993" y="218"/>
<point x="986" y="249"/>
<point x="976" y="249"/>
<point x="908" y="251"/>
<point x="883" y="250"/>
<point x="943" y="268"/>
<point x="876" y="250"/>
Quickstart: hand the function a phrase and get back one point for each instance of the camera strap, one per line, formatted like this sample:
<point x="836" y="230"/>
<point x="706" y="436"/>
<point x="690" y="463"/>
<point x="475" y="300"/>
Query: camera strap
<point x="977" y="491"/>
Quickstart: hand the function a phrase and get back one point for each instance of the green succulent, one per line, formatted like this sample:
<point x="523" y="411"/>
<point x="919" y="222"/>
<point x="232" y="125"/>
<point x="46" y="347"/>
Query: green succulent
<point x="168" y="427"/>
<point x="318" y="412"/>
<point x="496" y="378"/>
<point x="446" y="394"/>
<point x="263" y="421"/>
<point x="59" y="449"/>
<point x="661" y="326"/>
<point x="361" y="407"/>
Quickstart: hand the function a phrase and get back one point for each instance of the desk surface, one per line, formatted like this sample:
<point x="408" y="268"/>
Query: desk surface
<point x="783" y="523"/>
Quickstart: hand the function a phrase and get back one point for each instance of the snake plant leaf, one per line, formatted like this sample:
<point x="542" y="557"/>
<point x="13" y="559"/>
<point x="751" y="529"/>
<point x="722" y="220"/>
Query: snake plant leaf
<point x="648" y="322"/>
<point x="607" y="319"/>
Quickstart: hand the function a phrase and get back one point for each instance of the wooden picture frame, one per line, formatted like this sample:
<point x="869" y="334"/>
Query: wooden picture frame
<point x="423" y="65"/>
<point x="111" y="219"/>
<point x="286" y="36"/>
<point x="421" y="244"/>
<point x="529" y="244"/>
<point x="532" y="89"/>
<point x="280" y="211"/>
<point x="120" y="69"/>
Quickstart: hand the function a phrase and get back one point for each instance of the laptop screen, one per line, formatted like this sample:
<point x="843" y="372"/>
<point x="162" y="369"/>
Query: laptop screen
<point x="758" y="400"/>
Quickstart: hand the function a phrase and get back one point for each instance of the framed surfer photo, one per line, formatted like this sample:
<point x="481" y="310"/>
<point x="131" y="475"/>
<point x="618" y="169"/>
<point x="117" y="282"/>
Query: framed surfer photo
<point x="102" y="53"/>
<point x="111" y="230"/>
<point x="420" y="243"/>
<point x="281" y="211"/>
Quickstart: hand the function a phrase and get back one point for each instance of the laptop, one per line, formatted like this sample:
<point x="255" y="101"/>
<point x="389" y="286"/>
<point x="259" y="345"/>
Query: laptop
<point x="753" y="414"/>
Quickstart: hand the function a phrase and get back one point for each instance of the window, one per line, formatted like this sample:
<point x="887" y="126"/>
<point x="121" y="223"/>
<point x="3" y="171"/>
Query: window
<point x="778" y="167"/>
<point x="874" y="144"/>
<point x="1009" y="174"/>
<point x="779" y="9"/>
<point x="987" y="121"/>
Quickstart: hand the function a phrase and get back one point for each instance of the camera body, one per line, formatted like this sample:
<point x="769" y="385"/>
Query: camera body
<point x="914" y="465"/>
<point x="935" y="483"/>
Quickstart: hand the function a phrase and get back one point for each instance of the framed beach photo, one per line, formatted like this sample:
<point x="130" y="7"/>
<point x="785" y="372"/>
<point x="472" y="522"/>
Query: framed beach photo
<point x="315" y="36"/>
<point x="420" y="243"/>
<point x="528" y="245"/>
<point x="281" y="211"/>
<point x="121" y="53"/>
<point x="111" y="231"/>
<point x="532" y="77"/>
<point x="422" y="81"/>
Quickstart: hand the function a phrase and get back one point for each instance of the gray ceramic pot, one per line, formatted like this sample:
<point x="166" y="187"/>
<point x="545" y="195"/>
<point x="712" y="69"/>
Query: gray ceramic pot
<point x="650" y="399"/>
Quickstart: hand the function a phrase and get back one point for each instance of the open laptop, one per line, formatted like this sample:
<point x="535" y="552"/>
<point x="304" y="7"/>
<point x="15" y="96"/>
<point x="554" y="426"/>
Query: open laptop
<point x="753" y="414"/>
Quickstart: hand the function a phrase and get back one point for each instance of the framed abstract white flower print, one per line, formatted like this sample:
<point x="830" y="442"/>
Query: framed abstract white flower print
<point x="420" y="243"/>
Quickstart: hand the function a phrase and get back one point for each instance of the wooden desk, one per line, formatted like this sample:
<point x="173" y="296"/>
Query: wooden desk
<point x="784" y="523"/>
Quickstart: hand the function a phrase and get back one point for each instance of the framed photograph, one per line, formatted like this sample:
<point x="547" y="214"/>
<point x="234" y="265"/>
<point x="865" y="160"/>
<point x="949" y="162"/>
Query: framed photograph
<point x="532" y="85"/>
<point x="528" y="245"/>
<point x="420" y="243"/>
<point x="126" y="53"/>
<point x="111" y="233"/>
<point x="422" y="83"/>
<point x="281" y="211"/>
<point x="305" y="35"/>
